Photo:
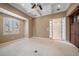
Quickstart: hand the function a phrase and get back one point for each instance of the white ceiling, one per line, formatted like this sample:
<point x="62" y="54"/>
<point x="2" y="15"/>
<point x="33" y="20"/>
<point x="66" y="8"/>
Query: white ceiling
<point x="48" y="8"/>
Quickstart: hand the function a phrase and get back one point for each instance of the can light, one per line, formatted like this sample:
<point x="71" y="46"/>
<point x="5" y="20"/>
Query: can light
<point x="59" y="6"/>
<point x="22" y="4"/>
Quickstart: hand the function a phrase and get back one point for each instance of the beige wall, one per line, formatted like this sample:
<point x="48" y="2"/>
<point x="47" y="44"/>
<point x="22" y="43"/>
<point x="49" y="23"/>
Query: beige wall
<point x="5" y="38"/>
<point x="41" y="24"/>
<point x="15" y="36"/>
<point x="30" y="27"/>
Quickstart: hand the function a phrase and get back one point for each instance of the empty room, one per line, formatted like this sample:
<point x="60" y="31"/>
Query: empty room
<point x="39" y="29"/>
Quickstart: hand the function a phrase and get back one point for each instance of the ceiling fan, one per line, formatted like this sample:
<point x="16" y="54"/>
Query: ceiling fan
<point x="35" y="5"/>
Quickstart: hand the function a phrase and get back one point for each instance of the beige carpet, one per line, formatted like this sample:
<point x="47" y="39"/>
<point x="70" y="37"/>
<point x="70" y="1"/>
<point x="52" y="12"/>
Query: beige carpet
<point x="37" y="47"/>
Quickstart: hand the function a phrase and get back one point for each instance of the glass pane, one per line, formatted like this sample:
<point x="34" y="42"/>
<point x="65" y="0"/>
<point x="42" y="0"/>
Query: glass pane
<point x="57" y="28"/>
<point x="77" y="18"/>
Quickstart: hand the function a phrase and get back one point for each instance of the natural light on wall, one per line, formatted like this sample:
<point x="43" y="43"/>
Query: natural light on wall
<point x="58" y="28"/>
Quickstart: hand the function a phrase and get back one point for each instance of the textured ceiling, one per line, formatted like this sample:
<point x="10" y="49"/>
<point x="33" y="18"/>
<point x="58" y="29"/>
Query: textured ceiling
<point x="48" y="8"/>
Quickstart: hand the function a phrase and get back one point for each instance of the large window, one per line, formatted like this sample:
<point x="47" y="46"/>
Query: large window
<point x="58" y="28"/>
<point x="10" y="25"/>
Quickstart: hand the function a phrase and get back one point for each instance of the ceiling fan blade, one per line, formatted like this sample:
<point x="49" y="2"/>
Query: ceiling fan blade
<point x="40" y="7"/>
<point x="33" y="6"/>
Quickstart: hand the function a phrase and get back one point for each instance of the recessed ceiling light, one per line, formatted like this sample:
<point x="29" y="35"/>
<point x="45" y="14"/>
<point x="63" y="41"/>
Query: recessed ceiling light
<point x="59" y="6"/>
<point x="22" y="4"/>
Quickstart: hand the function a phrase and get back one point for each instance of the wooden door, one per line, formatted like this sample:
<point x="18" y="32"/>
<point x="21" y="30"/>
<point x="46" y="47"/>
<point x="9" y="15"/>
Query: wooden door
<point x="73" y="36"/>
<point x="77" y="35"/>
<point x="74" y="27"/>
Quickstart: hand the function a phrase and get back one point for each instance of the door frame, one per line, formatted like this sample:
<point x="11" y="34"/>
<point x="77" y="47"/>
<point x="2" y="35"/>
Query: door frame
<point x="70" y="17"/>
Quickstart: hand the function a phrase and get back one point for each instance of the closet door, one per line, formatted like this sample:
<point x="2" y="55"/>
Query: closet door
<point x="77" y="35"/>
<point x="73" y="34"/>
<point x="77" y="30"/>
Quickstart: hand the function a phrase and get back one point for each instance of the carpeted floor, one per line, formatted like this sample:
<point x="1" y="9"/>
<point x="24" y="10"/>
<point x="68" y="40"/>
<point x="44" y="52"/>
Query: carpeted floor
<point x="37" y="47"/>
